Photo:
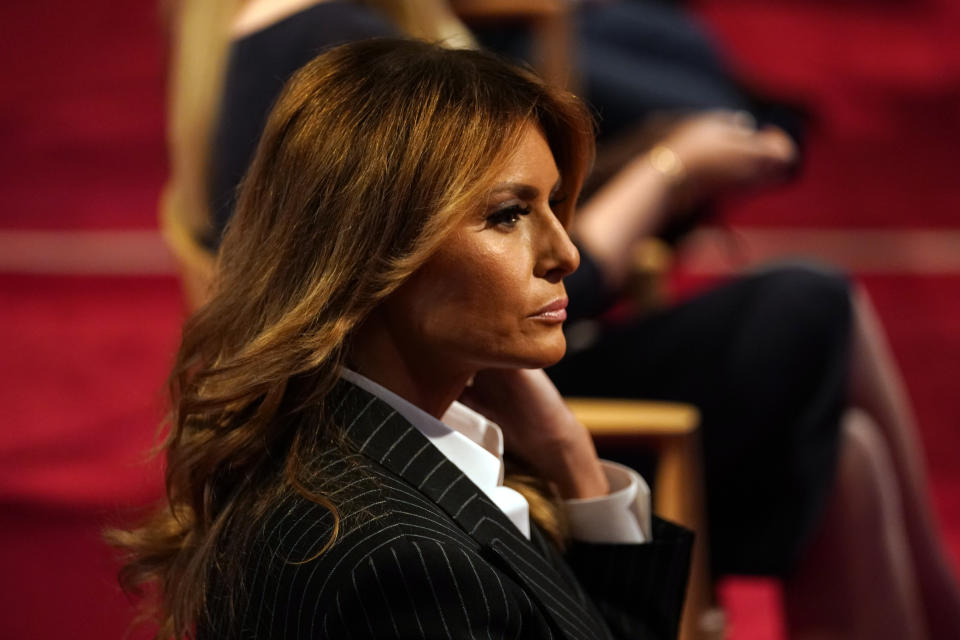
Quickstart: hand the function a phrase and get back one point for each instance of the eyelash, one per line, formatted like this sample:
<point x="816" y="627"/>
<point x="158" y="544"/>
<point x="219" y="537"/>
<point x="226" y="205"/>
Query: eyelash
<point x="509" y="216"/>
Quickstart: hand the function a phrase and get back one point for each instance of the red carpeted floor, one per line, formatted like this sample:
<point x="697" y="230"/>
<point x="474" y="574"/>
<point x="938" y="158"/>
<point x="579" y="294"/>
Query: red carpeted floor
<point x="83" y="363"/>
<point x="82" y="372"/>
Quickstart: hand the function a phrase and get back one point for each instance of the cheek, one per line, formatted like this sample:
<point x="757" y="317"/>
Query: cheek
<point x="471" y="302"/>
<point x="483" y="291"/>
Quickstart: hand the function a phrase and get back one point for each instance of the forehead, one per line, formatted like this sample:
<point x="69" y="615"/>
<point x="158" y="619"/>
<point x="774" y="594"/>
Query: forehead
<point x="530" y="162"/>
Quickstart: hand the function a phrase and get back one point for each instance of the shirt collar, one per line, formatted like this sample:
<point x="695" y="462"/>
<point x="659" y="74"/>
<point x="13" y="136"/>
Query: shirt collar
<point x="468" y="439"/>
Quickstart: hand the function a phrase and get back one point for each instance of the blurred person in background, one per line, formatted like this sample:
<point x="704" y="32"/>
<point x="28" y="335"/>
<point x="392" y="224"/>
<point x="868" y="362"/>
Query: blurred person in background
<point x="813" y="469"/>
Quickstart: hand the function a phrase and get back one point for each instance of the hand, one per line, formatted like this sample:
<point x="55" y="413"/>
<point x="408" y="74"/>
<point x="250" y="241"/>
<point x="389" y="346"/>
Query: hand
<point x="539" y="428"/>
<point x="723" y="150"/>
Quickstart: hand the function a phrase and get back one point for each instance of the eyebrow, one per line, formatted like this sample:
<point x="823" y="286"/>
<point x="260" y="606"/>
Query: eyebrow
<point x="523" y="190"/>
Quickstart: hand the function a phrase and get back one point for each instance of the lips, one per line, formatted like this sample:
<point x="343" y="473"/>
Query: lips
<point x="556" y="311"/>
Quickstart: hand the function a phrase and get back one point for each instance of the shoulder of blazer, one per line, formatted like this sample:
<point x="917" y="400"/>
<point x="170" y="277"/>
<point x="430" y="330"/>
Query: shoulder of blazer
<point x="423" y="498"/>
<point x="414" y="510"/>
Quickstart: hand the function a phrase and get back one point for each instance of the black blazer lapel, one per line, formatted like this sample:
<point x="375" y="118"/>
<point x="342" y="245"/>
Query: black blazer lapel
<point x="383" y="435"/>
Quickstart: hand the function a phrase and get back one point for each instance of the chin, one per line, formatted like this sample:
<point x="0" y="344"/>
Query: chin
<point x="538" y="352"/>
<point x="548" y="352"/>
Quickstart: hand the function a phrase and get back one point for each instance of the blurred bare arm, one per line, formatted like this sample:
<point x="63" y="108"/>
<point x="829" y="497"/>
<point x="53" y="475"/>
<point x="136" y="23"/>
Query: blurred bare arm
<point x="705" y="155"/>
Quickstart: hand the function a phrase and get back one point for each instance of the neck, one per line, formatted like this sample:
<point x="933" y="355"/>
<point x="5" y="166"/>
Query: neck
<point x="405" y="370"/>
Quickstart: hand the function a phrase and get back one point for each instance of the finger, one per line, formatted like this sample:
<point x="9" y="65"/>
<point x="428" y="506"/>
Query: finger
<point x="779" y="142"/>
<point x="744" y="121"/>
<point x="741" y="121"/>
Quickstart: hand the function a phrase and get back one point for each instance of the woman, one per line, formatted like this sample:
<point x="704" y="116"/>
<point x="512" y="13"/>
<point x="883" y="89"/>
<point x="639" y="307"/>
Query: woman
<point x="401" y="231"/>
<point x="773" y="359"/>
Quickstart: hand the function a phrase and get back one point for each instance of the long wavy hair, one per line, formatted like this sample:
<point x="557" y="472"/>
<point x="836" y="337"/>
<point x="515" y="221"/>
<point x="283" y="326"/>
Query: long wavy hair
<point x="372" y="154"/>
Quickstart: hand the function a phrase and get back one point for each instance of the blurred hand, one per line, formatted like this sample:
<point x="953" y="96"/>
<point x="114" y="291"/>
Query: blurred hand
<point x="723" y="150"/>
<point x="539" y="428"/>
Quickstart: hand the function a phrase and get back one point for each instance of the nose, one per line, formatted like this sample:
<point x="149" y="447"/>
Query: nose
<point x="558" y="256"/>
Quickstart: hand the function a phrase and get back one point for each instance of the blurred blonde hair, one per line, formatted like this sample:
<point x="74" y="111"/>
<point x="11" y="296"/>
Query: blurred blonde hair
<point x="430" y="20"/>
<point x="200" y="35"/>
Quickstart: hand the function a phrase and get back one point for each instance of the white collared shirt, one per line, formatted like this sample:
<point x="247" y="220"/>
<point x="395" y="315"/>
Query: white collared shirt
<point x="475" y="445"/>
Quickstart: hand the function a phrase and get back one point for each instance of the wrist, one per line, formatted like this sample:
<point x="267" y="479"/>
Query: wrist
<point x="669" y="163"/>
<point x="576" y="471"/>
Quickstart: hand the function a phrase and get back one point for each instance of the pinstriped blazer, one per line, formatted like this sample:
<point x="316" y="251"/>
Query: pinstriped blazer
<point x="423" y="553"/>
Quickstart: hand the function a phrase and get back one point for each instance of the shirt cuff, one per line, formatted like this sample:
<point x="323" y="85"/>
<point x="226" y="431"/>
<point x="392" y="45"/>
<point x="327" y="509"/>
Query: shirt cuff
<point x="622" y="516"/>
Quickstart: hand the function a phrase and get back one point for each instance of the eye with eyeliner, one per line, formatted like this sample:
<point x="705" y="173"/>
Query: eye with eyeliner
<point x="507" y="216"/>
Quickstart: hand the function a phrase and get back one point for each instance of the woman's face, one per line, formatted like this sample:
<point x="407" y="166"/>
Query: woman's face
<point x="493" y="295"/>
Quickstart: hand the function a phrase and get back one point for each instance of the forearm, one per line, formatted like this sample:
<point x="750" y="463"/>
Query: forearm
<point x="631" y="206"/>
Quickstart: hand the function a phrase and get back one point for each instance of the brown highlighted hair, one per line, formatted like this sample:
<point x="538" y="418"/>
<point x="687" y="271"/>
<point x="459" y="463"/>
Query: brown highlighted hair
<point x="373" y="153"/>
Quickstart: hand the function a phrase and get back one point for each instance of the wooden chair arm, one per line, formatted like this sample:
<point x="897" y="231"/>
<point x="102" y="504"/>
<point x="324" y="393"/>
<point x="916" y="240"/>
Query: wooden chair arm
<point x="627" y="418"/>
<point x="195" y="263"/>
